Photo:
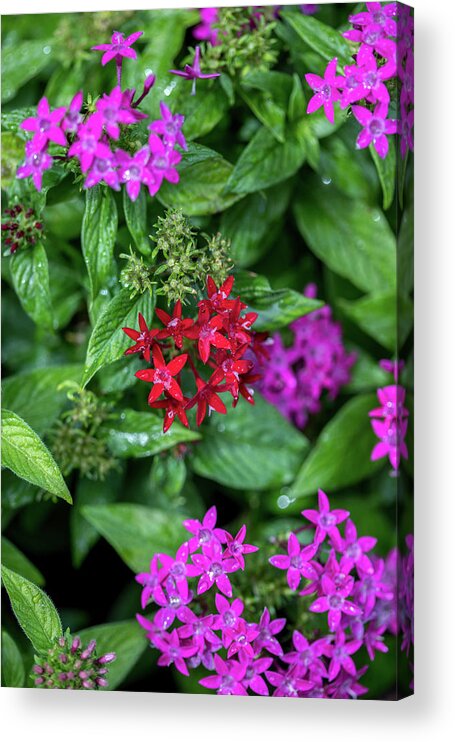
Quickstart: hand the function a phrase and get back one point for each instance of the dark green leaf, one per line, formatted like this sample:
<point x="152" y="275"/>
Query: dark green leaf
<point x="366" y="374"/>
<point x="202" y="111"/>
<point x="326" y="41"/>
<point x="381" y="316"/>
<point x="35" y="395"/>
<point x="267" y="94"/>
<point x="26" y="455"/>
<point x="139" y="434"/>
<point x="202" y="189"/>
<point x="136" y="220"/>
<point x="34" y="610"/>
<point x="276" y="308"/>
<point x="337" y="165"/>
<point x="265" y="162"/>
<point x="21" y="62"/>
<point x="245" y="449"/>
<point x="99" y="230"/>
<point x="108" y="342"/>
<point x="30" y="274"/>
<point x="350" y="237"/>
<point x="387" y="172"/>
<point x="252" y="223"/>
<point x="136" y="532"/>
<point x="13" y="671"/>
<point x="341" y="455"/>
<point x="126" y="638"/>
<point x="18" y="562"/>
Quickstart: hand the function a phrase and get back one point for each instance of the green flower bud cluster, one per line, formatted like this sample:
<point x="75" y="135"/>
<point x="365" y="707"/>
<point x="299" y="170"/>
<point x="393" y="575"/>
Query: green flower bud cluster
<point x="68" y="665"/>
<point x="136" y="275"/>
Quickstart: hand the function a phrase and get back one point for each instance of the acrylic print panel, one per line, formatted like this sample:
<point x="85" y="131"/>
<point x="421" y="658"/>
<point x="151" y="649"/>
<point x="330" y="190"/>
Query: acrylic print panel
<point x="207" y="238"/>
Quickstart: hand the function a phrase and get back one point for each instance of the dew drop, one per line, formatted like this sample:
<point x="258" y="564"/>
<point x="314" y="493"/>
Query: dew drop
<point x="283" y="502"/>
<point x="47" y="49"/>
<point x="167" y="91"/>
<point x="376" y="216"/>
<point x="326" y="179"/>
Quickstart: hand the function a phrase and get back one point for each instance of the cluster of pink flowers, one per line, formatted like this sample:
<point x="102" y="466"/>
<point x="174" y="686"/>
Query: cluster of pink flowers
<point x="389" y="421"/>
<point x="355" y="589"/>
<point x="375" y="32"/>
<point x="219" y="338"/>
<point x="295" y="377"/>
<point x="94" y="139"/>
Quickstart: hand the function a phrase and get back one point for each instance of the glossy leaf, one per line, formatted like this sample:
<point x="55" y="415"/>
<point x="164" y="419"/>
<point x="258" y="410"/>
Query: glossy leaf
<point x="136" y="220"/>
<point x="108" y="342"/>
<point x="99" y="230"/>
<point x="15" y="560"/>
<point x="34" y="610"/>
<point x="385" y="317"/>
<point x="139" y="434"/>
<point x="267" y="94"/>
<point x="136" y="532"/>
<point x="30" y="274"/>
<point x="21" y="62"/>
<point x="244" y="449"/>
<point x="13" y="670"/>
<point x="26" y="455"/>
<point x="387" y="172"/>
<point x="126" y="638"/>
<point x="325" y="40"/>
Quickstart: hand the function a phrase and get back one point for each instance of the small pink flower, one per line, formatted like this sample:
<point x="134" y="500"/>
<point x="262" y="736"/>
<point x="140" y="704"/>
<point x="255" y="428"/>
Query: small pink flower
<point x="46" y="125"/>
<point x="326" y="520"/>
<point x="326" y="90"/>
<point x="375" y="128"/>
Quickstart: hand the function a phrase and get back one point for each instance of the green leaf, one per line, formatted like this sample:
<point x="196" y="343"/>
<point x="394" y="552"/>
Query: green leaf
<point x="126" y="638"/>
<point x="26" y="455"/>
<point x="18" y="562"/>
<point x="366" y="374"/>
<point x="63" y="83"/>
<point x="99" y="230"/>
<point x="202" y="188"/>
<point x="387" y="172"/>
<point x="35" y="395"/>
<point x="202" y="111"/>
<point x="139" y="434"/>
<point x="13" y="671"/>
<point x="108" y="342"/>
<point x="245" y="449"/>
<point x="382" y="316"/>
<point x="338" y="165"/>
<point x="350" y="237"/>
<point x="253" y="222"/>
<point x="267" y="94"/>
<point x="136" y="532"/>
<point x="276" y="308"/>
<point x="21" y="62"/>
<point x="12" y="120"/>
<point x="34" y="610"/>
<point x="136" y="220"/>
<point x="341" y="455"/>
<point x="90" y="492"/>
<point x="265" y="162"/>
<point x="326" y="41"/>
<point x="30" y="274"/>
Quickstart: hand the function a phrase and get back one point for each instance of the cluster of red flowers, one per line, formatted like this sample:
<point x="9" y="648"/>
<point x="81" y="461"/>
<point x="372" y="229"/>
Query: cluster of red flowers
<point x="220" y="337"/>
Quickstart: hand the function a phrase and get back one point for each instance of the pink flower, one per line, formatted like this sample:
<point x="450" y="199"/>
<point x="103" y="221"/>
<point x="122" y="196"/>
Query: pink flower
<point x="334" y="601"/>
<point x="169" y="127"/>
<point x="391" y="434"/>
<point x="288" y="683"/>
<point x="133" y="170"/>
<point x="214" y="569"/>
<point x="118" y="49"/>
<point x="239" y="638"/>
<point x="253" y="675"/>
<point x="228" y="681"/>
<point x="173" y="652"/>
<point x="297" y="562"/>
<point x="193" y="72"/>
<point x="37" y="161"/>
<point x="88" y="145"/>
<point x="151" y="581"/>
<point x="340" y="655"/>
<point x="205" y="532"/>
<point x="73" y="116"/>
<point x="115" y="110"/>
<point x="392" y="367"/>
<point x="162" y="163"/>
<point x="267" y="631"/>
<point x="375" y="127"/>
<point x="162" y="376"/>
<point x="103" y="168"/>
<point x="326" y="520"/>
<point x="377" y="15"/>
<point x="236" y="548"/>
<point x="307" y="655"/>
<point x="392" y="400"/>
<point x="46" y="125"/>
<point x="196" y="628"/>
<point x="205" y="31"/>
<point x="228" y="615"/>
<point x="178" y="570"/>
<point x="326" y="90"/>
<point x="354" y="550"/>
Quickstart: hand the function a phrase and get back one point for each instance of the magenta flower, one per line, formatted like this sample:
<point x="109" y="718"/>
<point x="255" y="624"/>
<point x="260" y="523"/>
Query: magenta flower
<point x="115" y="111"/>
<point x="193" y="72"/>
<point x="103" y="169"/>
<point x="178" y="569"/>
<point x="287" y="683"/>
<point x="73" y="116"/>
<point x="392" y="367"/>
<point x="391" y="434"/>
<point x="236" y="548"/>
<point x="354" y="550"/>
<point x="239" y="639"/>
<point x="118" y="49"/>
<point x="205" y="532"/>
<point x="326" y="90"/>
<point x="151" y="581"/>
<point x="228" y="615"/>
<point x="307" y="655"/>
<point x="88" y="145"/>
<point x="351" y="86"/>
<point x="170" y="603"/>
<point x="335" y="602"/>
<point x="297" y="562"/>
<point x="347" y="686"/>
<point x="162" y="163"/>
<point x="340" y="655"/>
<point x="228" y="681"/>
<point x="371" y="588"/>
<point x="46" y="125"/>
<point x="377" y="15"/>
<point x="36" y="162"/>
<point x="374" y="640"/>
<point x="214" y="569"/>
<point x="133" y="170"/>
<point x="392" y="400"/>
<point x="267" y="632"/>
<point x="196" y="628"/>
<point x="253" y="676"/>
<point x="169" y="127"/>
<point x="375" y="127"/>
<point x="325" y="520"/>
<point x="205" y="31"/>
<point x="372" y="77"/>
<point x="173" y="652"/>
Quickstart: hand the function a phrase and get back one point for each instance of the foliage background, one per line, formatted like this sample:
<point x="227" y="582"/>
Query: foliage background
<point x="299" y="204"/>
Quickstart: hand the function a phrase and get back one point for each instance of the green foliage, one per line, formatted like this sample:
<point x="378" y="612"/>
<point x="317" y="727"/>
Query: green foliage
<point x="15" y="560"/>
<point x="30" y="275"/>
<point x="125" y="638"/>
<point x="13" y="670"/>
<point x="99" y="229"/>
<point x="138" y="434"/>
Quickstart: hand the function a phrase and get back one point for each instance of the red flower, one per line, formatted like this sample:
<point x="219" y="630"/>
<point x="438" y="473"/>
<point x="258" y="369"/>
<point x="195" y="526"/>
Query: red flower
<point x="230" y="368"/>
<point x="162" y="375"/>
<point x="245" y="390"/>
<point x="218" y="298"/>
<point x="176" y="327"/>
<point x="144" y="339"/>
<point x="238" y="328"/>
<point x="209" y="335"/>
<point x="207" y="395"/>
<point x="173" y="408"/>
